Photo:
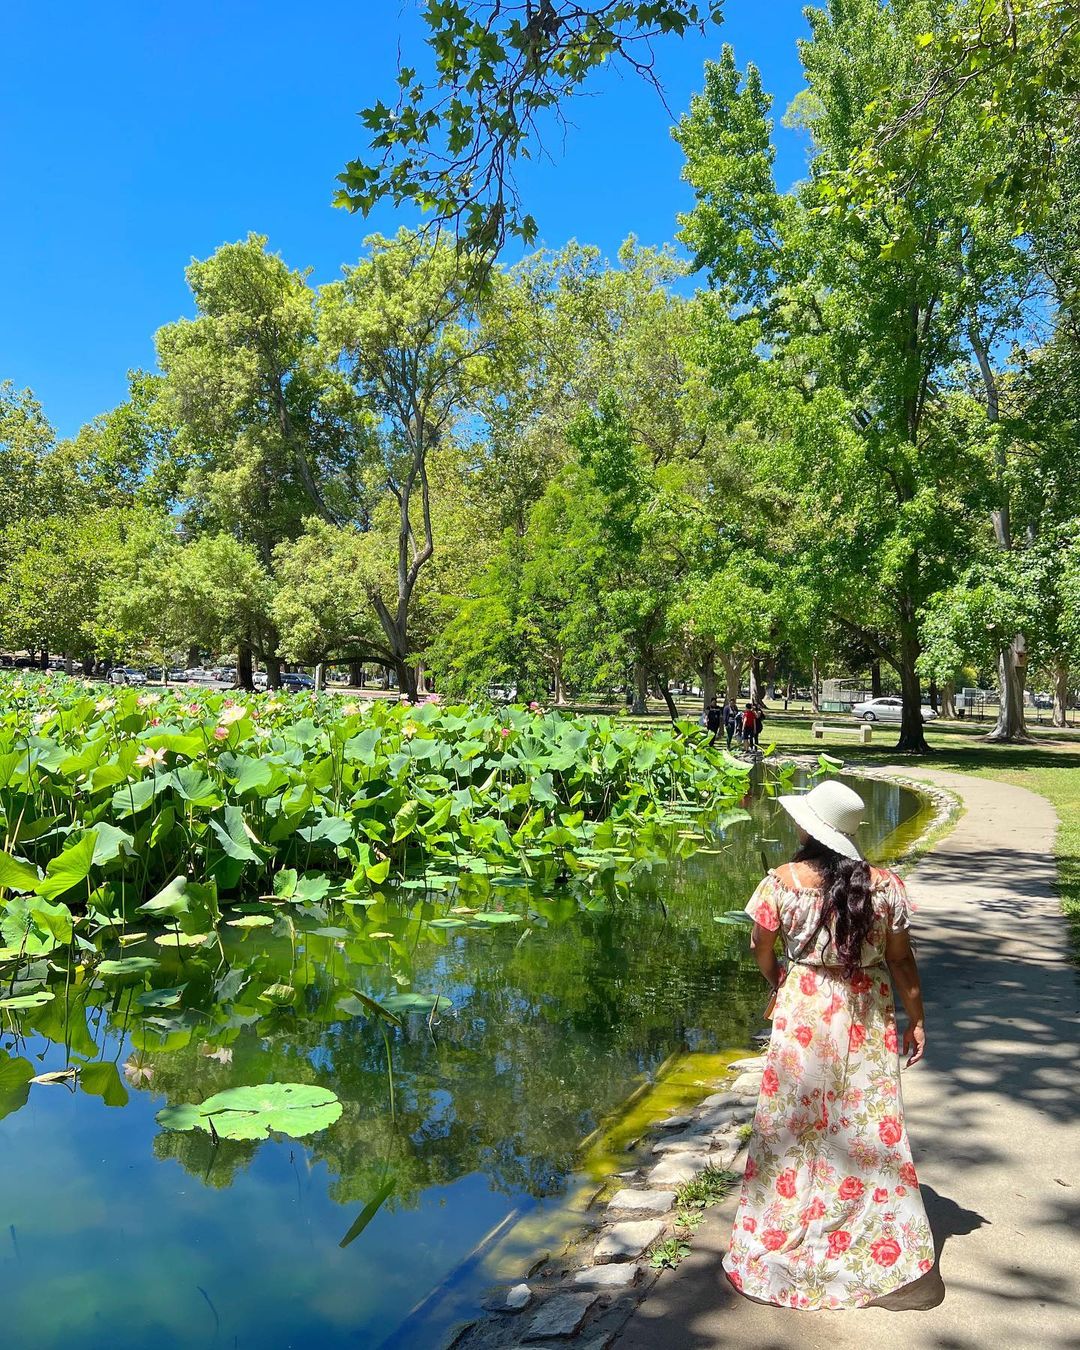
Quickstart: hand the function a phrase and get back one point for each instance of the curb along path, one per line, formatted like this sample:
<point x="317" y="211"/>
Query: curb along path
<point x="994" y="1115"/>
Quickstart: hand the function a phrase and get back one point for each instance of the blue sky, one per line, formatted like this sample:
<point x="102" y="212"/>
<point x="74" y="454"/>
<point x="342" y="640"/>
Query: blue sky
<point x="137" y="134"/>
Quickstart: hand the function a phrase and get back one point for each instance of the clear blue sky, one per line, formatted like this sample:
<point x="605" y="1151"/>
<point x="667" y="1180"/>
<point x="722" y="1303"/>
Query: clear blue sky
<point x="137" y="134"/>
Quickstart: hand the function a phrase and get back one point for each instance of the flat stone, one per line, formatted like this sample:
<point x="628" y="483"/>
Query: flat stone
<point x="675" y="1122"/>
<point x="561" y="1315"/>
<point x="747" y="1083"/>
<point x="754" y="1062"/>
<point x="627" y="1241"/>
<point x="678" y="1167"/>
<point x="691" y="1142"/>
<point x="615" y="1275"/>
<point x="655" y="1202"/>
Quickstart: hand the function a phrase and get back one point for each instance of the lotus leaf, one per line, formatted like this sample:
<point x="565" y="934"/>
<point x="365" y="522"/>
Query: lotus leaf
<point x="293" y="1109"/>
<point x="127" y="965"/>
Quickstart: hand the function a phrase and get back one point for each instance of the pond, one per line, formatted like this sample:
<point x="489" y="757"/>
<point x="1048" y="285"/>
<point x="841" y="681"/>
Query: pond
<point x="468" y="1118"/>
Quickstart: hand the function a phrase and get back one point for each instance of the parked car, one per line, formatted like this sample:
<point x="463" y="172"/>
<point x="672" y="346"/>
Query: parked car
<point x="1043" y="701"/>
<point x="296" y="679"/>
<point x="199" y="676"/>
<point x="887" y="710"/>
<point x="127" y="675"/>
<point x="258" y="679"/>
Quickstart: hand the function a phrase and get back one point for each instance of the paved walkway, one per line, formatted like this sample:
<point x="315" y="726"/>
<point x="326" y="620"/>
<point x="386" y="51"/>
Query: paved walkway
<point x="994" y="1117"/>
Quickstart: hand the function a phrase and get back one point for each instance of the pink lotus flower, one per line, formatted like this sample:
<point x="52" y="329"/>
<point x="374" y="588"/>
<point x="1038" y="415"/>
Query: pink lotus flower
<point x="194" y="709"/>
<point x="221" y="733"/>
<point x="504" y="731"/>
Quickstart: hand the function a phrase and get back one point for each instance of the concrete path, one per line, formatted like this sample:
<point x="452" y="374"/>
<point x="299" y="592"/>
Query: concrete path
<point x="993" y="1113"/>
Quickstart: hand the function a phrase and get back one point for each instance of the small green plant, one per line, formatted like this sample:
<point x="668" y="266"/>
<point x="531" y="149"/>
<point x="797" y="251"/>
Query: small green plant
<point x="744" y="1132"/>
<point x="707" y="1188"/>
<point x="666" y="1255"/>
<point x="689" y="1219"/>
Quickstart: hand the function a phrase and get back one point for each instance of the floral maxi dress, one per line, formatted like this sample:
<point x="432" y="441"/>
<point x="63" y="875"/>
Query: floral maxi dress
<point x="830" y="1214"/>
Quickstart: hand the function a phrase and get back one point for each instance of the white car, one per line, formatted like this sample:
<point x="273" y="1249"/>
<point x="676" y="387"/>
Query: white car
<point x="887" y="710"/>
<point x="127" y="675"/>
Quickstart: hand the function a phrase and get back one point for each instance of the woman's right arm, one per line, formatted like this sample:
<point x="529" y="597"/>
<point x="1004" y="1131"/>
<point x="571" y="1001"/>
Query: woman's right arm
<point x="905" y="973"/>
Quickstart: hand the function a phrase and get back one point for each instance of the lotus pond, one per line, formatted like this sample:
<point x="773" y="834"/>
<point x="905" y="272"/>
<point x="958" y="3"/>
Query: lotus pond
<point x="463" y="938"/>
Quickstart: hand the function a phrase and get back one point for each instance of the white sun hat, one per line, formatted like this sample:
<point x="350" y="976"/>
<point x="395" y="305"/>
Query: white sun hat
<point x="831" y="813"/>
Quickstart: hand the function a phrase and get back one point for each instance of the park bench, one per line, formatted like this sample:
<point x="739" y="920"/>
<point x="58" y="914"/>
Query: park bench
<point x="865" y="730"/>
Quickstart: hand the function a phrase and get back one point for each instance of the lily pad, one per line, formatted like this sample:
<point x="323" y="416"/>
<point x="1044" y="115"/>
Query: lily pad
<point x="127" y="965"/>
<point x="293" y="1109"/>
<point x="498" y="916"/>
<point x="251" y="921"/>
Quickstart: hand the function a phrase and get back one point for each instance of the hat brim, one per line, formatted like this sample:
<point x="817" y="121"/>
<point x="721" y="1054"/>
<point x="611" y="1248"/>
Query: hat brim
<point x="807" y="819"/>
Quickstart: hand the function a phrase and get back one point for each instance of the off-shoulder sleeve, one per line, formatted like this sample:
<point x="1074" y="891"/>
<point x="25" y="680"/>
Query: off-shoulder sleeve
<point x="899" y="905"/>
<point x="763" y="906"/>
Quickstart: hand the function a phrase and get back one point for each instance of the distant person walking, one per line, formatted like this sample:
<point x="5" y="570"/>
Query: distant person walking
<point x="731" y="720"/>
<point x="751" y="726"/>
<point x="830" y="1214"/>
<point x="714" y="720"/>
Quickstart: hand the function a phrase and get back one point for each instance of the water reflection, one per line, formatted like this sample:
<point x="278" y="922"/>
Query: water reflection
<point x="452" y="1123"/>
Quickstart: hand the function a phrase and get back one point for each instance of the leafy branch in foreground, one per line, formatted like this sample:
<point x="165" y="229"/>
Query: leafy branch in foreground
<point x="450" y="143"/>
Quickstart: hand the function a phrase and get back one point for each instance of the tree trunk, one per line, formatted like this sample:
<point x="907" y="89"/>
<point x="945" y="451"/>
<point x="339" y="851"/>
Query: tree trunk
<point x="1012" y="668"/>
<point x="421" y="678"/>
<point x="912" y="732"/>
<point x="320" y="675"/>
<point x="406" y="679"/>
<point x="244" y="672"/>
<point x="194" y="657"/>
<point x="69" y="665"/>
<point x="273" y="672"/>
<point x="933" y="694"/>
<point x="708" y="679"/>
<point x="948" y="699"/>
<point x="557" y="680"/>
<point x="665" y="692"/>
<point x="875" y="679"/>
<point x="755" y="679"/>
<point x="815" y="686"/>
<point x="640" y="705"/>
<point x="1061" y="691"/>
<point x="732" y="671"/>
<point x="356" y="674"/>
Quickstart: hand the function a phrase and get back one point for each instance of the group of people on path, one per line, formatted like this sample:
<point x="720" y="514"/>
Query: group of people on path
<point x="743" y="725"/>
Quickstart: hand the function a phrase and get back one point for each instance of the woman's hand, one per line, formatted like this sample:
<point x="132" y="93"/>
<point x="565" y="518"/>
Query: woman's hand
<point x="914" y="1043"/>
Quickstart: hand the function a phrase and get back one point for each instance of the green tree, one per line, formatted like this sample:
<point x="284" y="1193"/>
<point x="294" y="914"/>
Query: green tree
<point x="403" y="324"/>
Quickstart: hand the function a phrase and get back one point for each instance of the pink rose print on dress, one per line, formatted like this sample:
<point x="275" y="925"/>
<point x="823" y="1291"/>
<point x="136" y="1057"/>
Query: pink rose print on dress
<point x="829" y="1143"/>
<point x="850" y="1188"/>
<point x="839" y="1242"/>
<point x="785" y="1183"/>
<point x="886" y="1252"/>
<point x="764" y="915"/>
<point x="889" y="1131"/>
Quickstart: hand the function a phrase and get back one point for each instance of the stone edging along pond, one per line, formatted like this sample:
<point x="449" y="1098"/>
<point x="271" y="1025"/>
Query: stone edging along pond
<point x="681" y="1163"/>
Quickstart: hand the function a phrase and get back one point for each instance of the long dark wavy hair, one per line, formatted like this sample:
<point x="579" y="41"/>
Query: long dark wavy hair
<point x="848" y="910"/>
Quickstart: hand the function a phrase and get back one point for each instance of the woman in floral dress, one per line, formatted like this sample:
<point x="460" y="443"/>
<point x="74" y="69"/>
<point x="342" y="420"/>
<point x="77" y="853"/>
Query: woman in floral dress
<point x="830" y="1214"/>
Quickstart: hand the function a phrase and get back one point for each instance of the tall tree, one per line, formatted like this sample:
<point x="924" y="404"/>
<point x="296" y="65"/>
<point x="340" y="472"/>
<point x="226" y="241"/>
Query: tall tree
<point x="403" y="324"/>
